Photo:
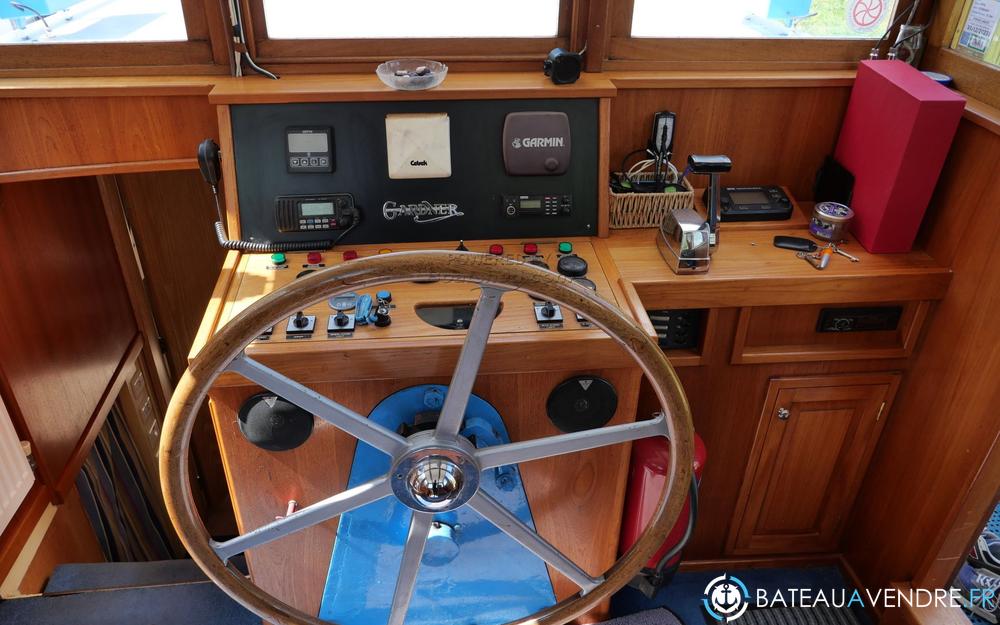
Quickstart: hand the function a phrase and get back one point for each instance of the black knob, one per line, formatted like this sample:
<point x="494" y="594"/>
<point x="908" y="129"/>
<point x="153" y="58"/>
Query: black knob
<point x="300" y="320"/>
<point x="539" y="263"/>
<point x="461" y="247"/>
<point x="572" y="266"/>
<point x="382" y="318"/>
<point x="548" y="310"/>
<point x="341" y="319"/>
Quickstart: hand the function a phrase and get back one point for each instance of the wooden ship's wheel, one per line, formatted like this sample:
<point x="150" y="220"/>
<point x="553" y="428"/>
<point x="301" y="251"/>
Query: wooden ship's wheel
<point x="431" y="471"/>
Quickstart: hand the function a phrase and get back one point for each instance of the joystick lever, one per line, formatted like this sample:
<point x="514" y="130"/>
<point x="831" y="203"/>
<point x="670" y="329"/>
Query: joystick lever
<point x="713" y="166"/>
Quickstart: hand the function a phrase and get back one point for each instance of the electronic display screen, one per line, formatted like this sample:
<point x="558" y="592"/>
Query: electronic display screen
<point x="313" y="142"/>
<point x="749" y="197"/>
<point x="531" y="204"/>
<point x="316" y="209"/>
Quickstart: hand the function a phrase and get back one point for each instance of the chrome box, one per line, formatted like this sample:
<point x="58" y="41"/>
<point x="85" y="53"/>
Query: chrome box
<point x="684" y="241"/>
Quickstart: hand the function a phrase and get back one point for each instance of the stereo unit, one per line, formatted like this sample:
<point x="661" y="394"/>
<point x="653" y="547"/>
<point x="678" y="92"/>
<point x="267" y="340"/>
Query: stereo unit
<point x="537" y="205"/>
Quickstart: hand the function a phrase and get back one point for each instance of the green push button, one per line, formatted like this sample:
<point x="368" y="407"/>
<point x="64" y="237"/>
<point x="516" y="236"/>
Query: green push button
<point x="565" y="247"/>
<point x="278" y="258"/>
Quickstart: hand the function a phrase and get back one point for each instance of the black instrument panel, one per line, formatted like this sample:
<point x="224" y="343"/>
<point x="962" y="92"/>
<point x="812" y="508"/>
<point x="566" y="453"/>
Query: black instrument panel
<point x="470" y="204"/>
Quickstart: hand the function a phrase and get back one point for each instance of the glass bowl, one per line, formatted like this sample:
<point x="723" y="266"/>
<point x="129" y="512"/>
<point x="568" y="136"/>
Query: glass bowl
<point x="412" y="74"/>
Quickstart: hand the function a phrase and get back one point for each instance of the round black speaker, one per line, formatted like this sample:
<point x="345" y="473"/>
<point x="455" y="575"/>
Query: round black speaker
<point x="274" y="424"/>
<point x="582" y="403"/>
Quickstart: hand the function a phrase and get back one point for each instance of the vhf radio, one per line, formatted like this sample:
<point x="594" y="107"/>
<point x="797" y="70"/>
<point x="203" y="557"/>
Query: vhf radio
<point x="292" y="213"/>
<point x="305" y="213"/>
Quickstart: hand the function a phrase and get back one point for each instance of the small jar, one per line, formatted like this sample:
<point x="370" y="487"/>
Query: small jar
<point x="829" y="221"/>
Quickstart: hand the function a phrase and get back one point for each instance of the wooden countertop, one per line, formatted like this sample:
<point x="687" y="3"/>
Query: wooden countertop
<point x="367" y="87"/>
<point x="747" y="270"/>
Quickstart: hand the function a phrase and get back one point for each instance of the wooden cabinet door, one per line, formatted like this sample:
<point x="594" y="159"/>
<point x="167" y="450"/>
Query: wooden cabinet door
<point x="813" y="444"/>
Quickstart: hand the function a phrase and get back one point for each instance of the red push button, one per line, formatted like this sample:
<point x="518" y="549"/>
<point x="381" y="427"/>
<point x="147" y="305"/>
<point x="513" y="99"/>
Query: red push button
<point x="496" y="249"/>
<point x="531" y="249"/>
<point x="314" y="258"/>
<point x="350" y="255"/>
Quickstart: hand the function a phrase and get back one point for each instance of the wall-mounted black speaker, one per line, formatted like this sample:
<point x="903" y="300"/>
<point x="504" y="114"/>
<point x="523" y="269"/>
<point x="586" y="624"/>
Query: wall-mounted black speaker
<point x="582" y="403"/>
<point x="273" y="423"/>
<point x="563" y="66"/>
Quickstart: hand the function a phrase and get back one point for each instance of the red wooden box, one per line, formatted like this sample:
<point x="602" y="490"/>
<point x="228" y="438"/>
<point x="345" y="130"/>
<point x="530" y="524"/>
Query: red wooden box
<point x="896" y="135"/>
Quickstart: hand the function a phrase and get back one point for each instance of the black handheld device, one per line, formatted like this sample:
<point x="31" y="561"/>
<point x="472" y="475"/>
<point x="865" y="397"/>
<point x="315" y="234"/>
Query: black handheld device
<point x="208" y="162"/>
<point x="797" y="244"/>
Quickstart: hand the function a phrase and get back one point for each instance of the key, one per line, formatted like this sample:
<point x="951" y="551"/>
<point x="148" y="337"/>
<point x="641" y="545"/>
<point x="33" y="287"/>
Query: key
<point x="851" y="257"/>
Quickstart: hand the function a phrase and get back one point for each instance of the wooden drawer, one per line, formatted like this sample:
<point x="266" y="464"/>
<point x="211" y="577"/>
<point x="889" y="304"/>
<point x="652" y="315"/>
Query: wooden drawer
<point x="767" y="334"/>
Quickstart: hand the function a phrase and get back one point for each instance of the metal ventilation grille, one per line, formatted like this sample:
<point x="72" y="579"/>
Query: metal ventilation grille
<point x="16" y="476"/>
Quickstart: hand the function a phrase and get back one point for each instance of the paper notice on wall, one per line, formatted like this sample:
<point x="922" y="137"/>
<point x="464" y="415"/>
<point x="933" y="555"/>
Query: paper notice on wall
<point x="980" y="25"/>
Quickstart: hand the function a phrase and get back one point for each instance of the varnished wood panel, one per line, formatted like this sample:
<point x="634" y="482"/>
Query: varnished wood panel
<point x="64" y="132"/>
<point x="726" y="403"/>
<point x="576" y="501"/>
<point x="805" y="469"/>
<point x="774" y="135"/>
<point x="69" y="539"/>
<point x="66" y="322"/>
<point x="945" y="419"/>
<point x="171" y="216"/>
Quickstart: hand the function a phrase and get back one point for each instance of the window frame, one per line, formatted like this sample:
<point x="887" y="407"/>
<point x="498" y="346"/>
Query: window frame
<point x="206" y="51"/>
<point x="973" y="77"/>
<point x="625" y="52"/>
<point x="311" y="55"/>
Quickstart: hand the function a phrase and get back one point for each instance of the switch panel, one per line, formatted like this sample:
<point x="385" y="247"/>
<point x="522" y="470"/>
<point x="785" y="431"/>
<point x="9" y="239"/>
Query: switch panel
<point x="859" y="319"/>
<point x="677" y="329"/>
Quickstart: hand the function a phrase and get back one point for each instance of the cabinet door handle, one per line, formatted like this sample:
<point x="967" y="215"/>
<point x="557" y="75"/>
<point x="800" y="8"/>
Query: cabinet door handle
<point x="783" y="414"/>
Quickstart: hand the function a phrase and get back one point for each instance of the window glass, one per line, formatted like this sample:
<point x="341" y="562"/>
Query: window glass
<point x="76" y="21"/>
<point x="979" y="32"/>
<point x="392" y="19"/>
<point x="830" y="19"/>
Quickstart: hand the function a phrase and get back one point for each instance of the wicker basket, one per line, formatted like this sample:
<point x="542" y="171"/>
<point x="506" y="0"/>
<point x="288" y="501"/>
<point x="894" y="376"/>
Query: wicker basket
<point x="646" y="210"/>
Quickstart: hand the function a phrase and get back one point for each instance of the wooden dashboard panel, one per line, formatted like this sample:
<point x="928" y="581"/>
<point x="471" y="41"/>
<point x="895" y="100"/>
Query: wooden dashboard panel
<point x="411" y="347"/>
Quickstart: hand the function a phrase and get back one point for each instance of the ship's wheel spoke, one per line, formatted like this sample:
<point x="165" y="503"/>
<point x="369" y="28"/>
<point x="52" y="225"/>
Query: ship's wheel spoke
<point x="314" y="514"/>
<point x="416" y="539"/>
<point x="525" y="451"/>
<point x="309" y="400"/>
<point x="491" y="510"/>
<point x="469" y="359"/>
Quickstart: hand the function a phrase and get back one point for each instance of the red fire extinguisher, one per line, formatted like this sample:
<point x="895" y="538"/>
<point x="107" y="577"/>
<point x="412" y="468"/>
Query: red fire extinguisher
<point x="647" y="477"/>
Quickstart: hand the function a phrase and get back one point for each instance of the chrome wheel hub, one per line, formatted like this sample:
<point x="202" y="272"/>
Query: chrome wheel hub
<point x="432" y="477"/>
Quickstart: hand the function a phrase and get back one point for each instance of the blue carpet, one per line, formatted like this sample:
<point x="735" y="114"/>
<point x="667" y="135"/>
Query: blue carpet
<point x="683" y="595"/>
<point x="191" y="604"/>
<point x="69" y="578"/>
